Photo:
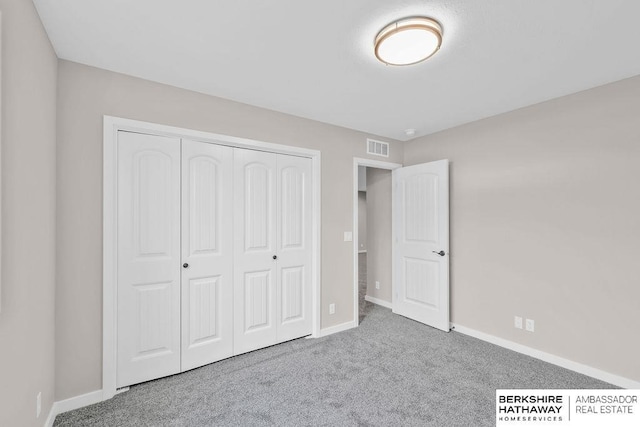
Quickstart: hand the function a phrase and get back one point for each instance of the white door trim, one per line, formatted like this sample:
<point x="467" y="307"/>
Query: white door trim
<point x="357" y="161"/>
<point x="109" y="227"/>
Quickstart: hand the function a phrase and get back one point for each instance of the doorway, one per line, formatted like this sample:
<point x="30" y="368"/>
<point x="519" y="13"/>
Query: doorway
<point x="363" y="305"/>
<point x="414" y="254"/>
<point x="372" y="235"/>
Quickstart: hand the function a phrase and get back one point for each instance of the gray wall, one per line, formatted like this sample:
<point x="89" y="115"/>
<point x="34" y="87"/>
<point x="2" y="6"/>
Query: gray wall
<point x="545" y="224"/>
<point x="379" y="233"/>
<point x="362" y="178"/>
<point x="85" y="94"/>
<point x="362" y="220"/>
<point x="28" y="107"/>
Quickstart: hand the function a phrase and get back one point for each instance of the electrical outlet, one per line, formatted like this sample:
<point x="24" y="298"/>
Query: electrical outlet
<point x="332" y="309"/>
<point x="348" y="236"/>
<point x="518" y="322"/>
<point x="38" y="404"/>
<point x="377" y="285"/>
<point x="530" y="325"/>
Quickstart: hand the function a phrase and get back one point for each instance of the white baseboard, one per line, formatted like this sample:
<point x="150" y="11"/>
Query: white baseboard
<point x="71" y="404"/>
<point x="52" y="416"/>
<point x="551" y="358"/>
<point x="338" y="328"/>
<point x="378" y="301"/>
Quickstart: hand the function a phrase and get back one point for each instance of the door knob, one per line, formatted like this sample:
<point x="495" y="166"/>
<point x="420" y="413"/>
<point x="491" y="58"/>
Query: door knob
<point x="185" y="265"/>
<point x="275" y="257"/>
<point x="441" y="253"/>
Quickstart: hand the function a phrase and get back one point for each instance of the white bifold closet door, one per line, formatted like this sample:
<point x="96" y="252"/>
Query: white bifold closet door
<point x="148" y="258"/>
<point x="175" y="256"/>
<point x="207" y="253"/>
<point x="255" y="250"/>
<point x="272" y="249"/>
<point x="293" y="240"/>
<point x="214" y="253"/>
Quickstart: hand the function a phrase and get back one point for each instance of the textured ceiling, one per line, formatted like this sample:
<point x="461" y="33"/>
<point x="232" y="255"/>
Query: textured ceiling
<point x="315" y="59"/>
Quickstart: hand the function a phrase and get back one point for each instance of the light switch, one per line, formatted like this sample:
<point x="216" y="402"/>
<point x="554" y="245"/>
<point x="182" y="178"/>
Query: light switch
<point x="348" y="236"/>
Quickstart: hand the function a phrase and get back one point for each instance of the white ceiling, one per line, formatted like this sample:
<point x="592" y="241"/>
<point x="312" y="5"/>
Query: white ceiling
<point x="315" y="59"/>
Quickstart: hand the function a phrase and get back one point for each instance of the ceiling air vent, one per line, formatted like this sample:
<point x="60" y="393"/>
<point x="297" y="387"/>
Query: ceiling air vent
<point x="377" y="148"/>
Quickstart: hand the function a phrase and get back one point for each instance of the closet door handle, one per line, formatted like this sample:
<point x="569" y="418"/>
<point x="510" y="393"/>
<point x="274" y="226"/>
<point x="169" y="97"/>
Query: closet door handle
<point x="275" y="257"/>
<point x="185" y="265"/>
<point x="441" y="253"/>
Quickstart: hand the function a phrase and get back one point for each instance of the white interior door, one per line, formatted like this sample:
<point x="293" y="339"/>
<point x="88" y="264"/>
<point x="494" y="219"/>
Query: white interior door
<point x="421" y="243"/>
<point x="255" y="292"/>
<point x="148" y="301"/>
<point x="293" y="248"/>
<point x="207" y="253"/>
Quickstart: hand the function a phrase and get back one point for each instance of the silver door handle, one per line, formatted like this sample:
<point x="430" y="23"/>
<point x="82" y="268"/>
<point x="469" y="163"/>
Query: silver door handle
<point x="441" y="253"/>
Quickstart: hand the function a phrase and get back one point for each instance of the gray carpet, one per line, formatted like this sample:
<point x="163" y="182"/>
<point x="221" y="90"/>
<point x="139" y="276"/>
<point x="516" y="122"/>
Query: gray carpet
<point x="363" y="306"/>
<point x="390" y="371"/>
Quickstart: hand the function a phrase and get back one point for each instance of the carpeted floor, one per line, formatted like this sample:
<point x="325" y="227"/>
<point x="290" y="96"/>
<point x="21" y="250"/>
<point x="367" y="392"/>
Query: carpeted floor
<point x="363" y="306"/>
<point x="390" y="371"/>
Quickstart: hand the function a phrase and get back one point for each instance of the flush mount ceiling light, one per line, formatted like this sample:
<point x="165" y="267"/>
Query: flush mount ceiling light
<point x="408" y="41"/>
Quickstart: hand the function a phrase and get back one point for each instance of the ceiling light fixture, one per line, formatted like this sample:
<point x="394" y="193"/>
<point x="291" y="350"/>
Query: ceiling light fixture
<point x="408" y="41"/>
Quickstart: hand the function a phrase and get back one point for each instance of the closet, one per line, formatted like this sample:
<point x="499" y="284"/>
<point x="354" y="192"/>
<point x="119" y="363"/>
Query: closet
<point x="213" y="253"/>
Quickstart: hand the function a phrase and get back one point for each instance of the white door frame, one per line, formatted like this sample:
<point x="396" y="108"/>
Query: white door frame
<point x="357" y="161"/>
<point x="110" y="137"/>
